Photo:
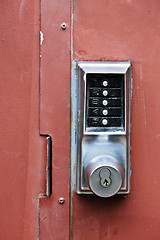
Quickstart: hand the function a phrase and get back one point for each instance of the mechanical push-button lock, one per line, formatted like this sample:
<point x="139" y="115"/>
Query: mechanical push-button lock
<point x="103" y="139"/>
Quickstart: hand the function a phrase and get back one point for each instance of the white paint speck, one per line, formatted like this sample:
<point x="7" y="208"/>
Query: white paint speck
<point x="41" y="37"/>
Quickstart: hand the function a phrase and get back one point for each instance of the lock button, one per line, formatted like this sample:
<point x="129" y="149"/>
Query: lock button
<point x="108" y="111"/>
<point x="105" y="92"/>
<point x="101" y="122"/>
<point x="103" y="80"/>
<point x="101" y="102"/>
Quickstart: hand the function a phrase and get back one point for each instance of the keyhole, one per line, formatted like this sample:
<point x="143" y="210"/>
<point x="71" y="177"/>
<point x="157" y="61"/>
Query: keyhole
<point x="105" y="183"/>
<point x="105" y="177"/>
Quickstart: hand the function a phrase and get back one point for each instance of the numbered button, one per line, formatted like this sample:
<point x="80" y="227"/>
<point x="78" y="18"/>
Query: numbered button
<point x="102" y="92"/>
<point x="104" y="122"/>
<point x="105" y="83"/>
<point x="105" y="102"/>
<point x="105" y="93"/>
<point x="100" y="102"/>
<point x="105" y="112"/>
<point x="101" y="111"/>
<point x="105" y="80"/>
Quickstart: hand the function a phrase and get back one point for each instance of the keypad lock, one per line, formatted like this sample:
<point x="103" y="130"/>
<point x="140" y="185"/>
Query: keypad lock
<point x="103" y="128"/>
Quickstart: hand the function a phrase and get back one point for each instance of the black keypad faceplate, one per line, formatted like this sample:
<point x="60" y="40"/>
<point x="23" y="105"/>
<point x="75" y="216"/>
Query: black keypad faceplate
<point x="105" y="101"/>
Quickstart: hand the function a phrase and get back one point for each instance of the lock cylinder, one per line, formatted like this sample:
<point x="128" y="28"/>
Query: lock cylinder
<point x="104" y="176"/>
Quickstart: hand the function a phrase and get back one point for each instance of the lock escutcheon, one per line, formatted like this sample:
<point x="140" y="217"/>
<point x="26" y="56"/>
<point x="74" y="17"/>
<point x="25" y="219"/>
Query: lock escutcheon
<point x="104" y="176"/>
<point x="101" y="137"/>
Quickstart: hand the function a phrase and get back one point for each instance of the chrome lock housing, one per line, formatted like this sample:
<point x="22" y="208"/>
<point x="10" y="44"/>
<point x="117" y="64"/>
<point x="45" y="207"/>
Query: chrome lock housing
<point x="104" y="176"/>
<point x="103" y="129"/>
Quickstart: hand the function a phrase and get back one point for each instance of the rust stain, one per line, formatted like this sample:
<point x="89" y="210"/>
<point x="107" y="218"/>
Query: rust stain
<point x="82" y="52"/>
<point x="43" y="218"/>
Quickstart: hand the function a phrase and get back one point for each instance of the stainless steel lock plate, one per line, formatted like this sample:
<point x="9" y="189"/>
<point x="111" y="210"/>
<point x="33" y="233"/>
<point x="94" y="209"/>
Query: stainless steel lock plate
<point x="101" y="94"/>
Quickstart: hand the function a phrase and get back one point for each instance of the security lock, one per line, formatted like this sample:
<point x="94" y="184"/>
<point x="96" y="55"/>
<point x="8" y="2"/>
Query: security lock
<point x="103" y="128"/>
<point x="104" y="176"/>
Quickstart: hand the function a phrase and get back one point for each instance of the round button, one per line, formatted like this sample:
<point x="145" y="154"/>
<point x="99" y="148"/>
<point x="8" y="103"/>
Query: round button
<point x="105" y="112"/>
<point x="105" y="93"/>
<point x="104" y="176"/>
<point x="105" y="83"/>
<point x="104" y="121"/>
<point x="105" y="102"/>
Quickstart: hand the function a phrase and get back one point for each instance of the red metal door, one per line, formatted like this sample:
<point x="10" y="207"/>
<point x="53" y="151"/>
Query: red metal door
<point x="22" y="165"/>
<point x="96" y="30"/>
<point x="103" y="31"/>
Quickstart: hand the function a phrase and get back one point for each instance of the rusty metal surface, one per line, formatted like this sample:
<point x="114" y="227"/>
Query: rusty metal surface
<point x="124" y="30"/>
<point x="22" y="159"/>
<point x="55" y="114"/>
